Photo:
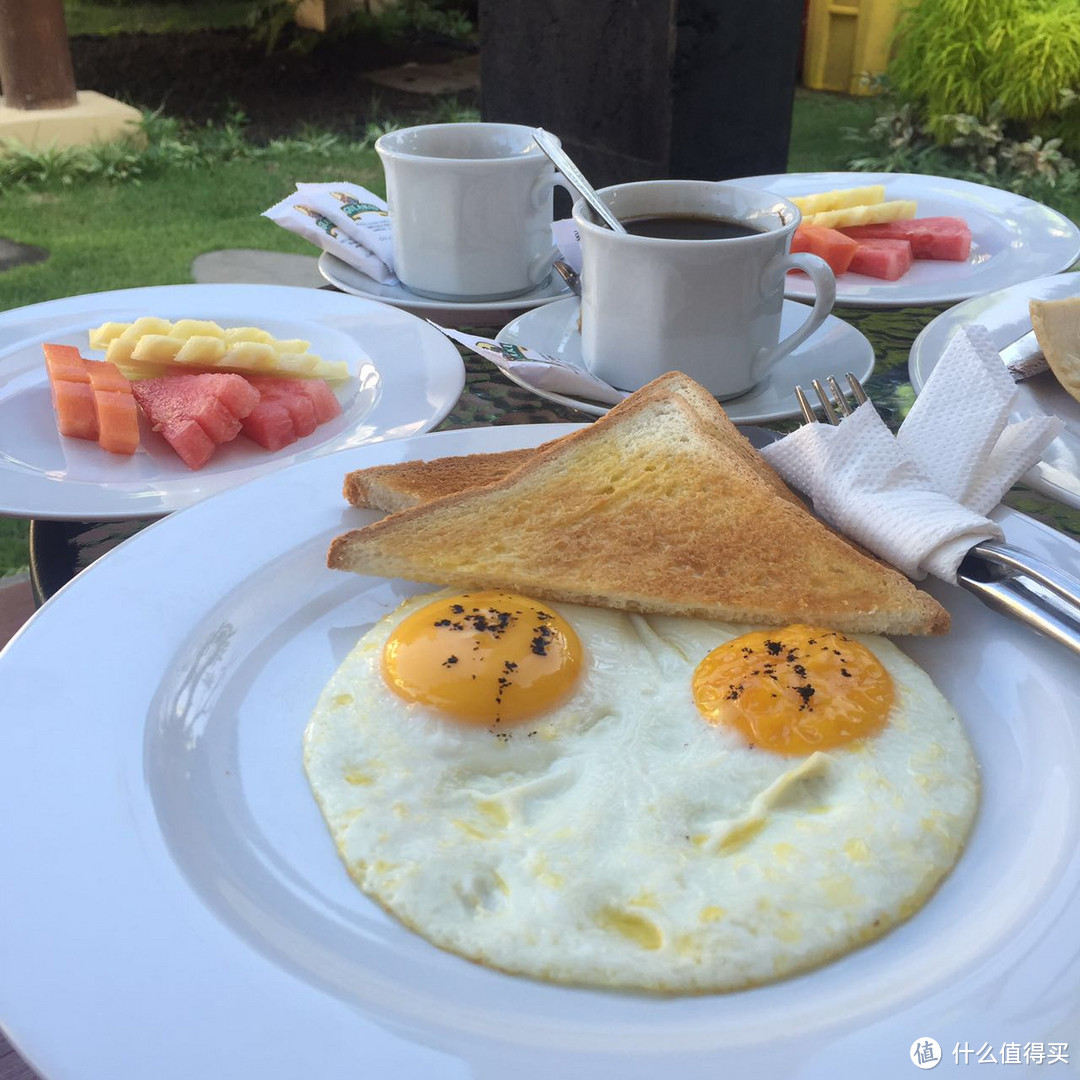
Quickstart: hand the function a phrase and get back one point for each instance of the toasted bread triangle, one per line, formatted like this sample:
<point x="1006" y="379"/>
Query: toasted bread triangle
<point x="660" y="506"/>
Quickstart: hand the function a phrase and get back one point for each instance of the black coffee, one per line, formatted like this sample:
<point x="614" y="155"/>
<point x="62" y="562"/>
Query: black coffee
<point x="688" y="227"/>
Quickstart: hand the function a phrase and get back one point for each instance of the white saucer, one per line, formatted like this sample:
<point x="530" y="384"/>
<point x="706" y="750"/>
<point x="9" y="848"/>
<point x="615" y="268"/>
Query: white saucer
<point x="487" y="313"/>
<point x="833" y="349"/>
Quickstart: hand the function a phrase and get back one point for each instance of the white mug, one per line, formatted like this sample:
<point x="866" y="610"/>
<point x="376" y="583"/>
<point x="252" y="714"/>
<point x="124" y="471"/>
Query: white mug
<point x="707" y="307"/>
<point x="471" y="207"/>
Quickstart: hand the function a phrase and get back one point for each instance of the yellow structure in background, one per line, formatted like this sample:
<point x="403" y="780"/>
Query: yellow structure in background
<point x="321" y="14"/>
<point x="846" y="41"/>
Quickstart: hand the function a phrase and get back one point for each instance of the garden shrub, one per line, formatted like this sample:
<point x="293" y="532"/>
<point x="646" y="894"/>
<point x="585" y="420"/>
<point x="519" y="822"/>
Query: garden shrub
<point x="1020" y="57"/>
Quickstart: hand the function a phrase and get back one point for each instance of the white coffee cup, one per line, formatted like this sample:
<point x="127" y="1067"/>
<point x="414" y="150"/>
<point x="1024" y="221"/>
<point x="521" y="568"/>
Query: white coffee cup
<point x="708" y="307"/>
<point x="471" y="206"/>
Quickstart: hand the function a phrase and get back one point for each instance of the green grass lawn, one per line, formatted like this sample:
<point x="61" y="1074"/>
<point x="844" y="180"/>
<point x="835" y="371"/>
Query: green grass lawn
<point x="103" y="236"/>
<point x="88" y="17"/>
<point x="819" y="130"/>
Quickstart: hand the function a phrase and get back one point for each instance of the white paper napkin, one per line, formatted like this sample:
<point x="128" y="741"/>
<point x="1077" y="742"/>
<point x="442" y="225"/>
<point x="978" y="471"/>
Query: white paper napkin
<point x="919" y="499"/>
<point x="538" y="369"/>
<point x="345" y="219"/>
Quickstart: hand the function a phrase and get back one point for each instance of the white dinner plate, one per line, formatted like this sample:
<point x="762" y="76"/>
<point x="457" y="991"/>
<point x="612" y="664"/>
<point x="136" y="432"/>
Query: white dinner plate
<point x="474" y="313"/>
<point x="834" y="348"/>
<point x="1005" y="314"/>
<point x="174" y="906"/>
<point x="405" y="378"/>
<point x="1012" y="238"/>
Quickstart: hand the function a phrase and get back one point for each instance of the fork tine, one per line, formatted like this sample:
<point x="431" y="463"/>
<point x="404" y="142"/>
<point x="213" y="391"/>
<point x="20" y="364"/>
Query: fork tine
<point x="838" y="396"/>
<point x="826" y="404"/>
<point x="804" y="405"/>
<point x="856" y="388"/>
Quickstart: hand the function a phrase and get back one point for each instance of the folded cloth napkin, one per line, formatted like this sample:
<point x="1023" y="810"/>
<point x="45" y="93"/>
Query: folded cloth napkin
<point x="345" y="219"/>
<point x="538" y="369"/>
<point x="920" y="500"/>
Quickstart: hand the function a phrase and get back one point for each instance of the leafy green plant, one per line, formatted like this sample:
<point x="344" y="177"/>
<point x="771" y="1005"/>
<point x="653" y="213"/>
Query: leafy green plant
<point x="961" y="57"/>
<point x="969" y="147"/>
<point x="409" y="18"/>
<point x="445" y="111"/>
<point x="268" y="21"/>
<point x="166" y="145"/>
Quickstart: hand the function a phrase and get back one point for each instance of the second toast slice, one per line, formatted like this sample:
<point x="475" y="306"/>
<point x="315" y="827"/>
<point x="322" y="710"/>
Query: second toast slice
<point x="660" y="506"/>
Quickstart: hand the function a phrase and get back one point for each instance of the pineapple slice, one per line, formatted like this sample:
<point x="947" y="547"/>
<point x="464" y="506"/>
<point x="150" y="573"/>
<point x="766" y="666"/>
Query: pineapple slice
<point x="840" y="199"/>
<point x="102" y="335"/>
<point x="896" y="210"/>
<point x="201" y="350"/>
<point x="149" y="347"/>
<point x="189" y="328"/>
<point x="239" y="334"/>
<point x="121" y="347"/>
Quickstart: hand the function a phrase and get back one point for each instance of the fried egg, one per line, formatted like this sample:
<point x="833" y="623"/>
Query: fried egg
<point x="596" y="797"/>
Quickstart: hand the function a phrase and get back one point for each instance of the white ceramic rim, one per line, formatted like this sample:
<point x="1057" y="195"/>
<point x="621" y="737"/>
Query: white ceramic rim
<point x="993" y="955"/>
<point x="1005" y="315"/>
<point x="412" y="376"/>
<point x="1035" y="240"/>
<point x="582" y="213"/>
<point x="385" y="148"/>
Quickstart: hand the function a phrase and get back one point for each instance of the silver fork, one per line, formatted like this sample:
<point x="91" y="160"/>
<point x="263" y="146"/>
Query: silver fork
<point x="1006" y="579"/>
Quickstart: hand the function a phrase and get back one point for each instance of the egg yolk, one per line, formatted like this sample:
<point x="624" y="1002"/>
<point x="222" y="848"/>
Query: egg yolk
<point x="483" y="657"/>
<point x="795" y="690"/>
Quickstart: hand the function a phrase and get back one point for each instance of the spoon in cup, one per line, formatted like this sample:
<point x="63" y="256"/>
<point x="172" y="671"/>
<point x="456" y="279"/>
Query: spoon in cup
<point x="576" y="178"/>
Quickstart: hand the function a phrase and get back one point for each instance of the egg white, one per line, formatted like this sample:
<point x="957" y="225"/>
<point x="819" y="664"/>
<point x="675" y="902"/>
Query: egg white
<point x="623" y="841"/>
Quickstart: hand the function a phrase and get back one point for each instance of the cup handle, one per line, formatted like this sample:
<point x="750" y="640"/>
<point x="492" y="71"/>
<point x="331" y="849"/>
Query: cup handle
<point x="824" y="297"/>
<point x="540" y="267"/>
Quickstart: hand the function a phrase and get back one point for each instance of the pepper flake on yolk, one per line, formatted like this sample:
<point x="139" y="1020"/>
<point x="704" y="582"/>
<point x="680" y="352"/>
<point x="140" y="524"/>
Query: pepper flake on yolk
<point x="795" y="690"/>
<point x="484" y="657"/>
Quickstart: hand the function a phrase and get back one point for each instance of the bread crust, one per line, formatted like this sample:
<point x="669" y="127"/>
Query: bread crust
<point x="660" y="506"/>
<point x="409" y="483"/>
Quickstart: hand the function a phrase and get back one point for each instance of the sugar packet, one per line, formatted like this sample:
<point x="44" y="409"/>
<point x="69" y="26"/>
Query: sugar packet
<point x="345" y="219"/>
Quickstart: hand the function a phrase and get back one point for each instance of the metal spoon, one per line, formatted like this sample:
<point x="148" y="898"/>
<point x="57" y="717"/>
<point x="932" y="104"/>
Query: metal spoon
<point x="575" y="177"/>
<point x="569" y="275"/>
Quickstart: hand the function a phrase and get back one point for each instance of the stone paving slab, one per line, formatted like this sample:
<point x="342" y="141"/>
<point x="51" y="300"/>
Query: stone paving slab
<point x="13" y="254"/>
<point x="248" y="266"/>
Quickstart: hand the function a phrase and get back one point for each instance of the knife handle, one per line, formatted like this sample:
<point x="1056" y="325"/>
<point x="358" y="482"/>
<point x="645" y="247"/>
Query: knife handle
<point x="1023" y="586"/>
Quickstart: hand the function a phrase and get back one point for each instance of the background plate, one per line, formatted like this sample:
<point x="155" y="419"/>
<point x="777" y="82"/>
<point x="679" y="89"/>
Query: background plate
<point x="179" y="909"/>
<point x="1013" y="238"/>
<point x="407" y="377"/>
<point x="834" y="348"/>
<point x="1005" y="314"/>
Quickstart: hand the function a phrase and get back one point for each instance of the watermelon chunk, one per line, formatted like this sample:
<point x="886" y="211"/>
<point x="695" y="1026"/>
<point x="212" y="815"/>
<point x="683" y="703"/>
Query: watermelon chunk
<point x="270" y="425"/>
<point x="323" y="398"/>
<point x="215" y="403"/>
<point x="830" y="244"/>
<point x="943" y="238"/>
<point x="288" y="409"/>
<point x="191" y="443"/>
<point x="886" y="259"/>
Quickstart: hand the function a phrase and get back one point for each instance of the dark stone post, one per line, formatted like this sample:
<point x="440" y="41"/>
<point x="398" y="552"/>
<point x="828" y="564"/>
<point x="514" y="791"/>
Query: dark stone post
<point x="640" y="89"/>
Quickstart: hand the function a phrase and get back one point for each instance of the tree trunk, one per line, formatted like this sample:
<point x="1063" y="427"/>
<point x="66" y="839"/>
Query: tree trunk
<point x="35" y="59"/>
